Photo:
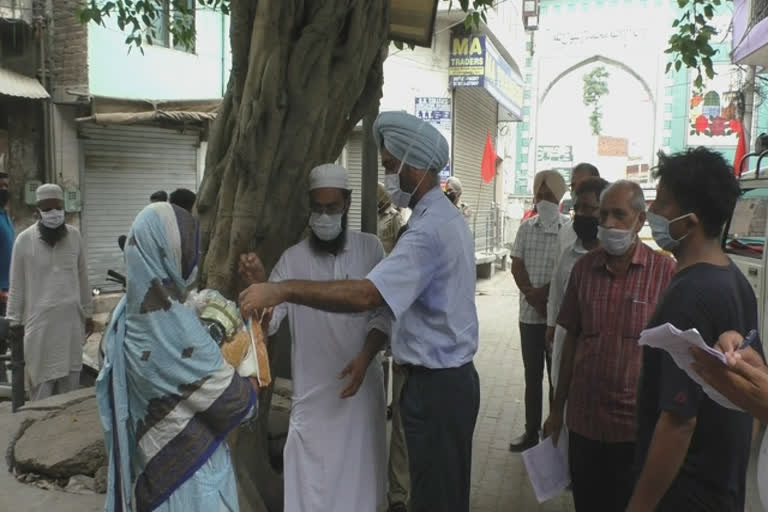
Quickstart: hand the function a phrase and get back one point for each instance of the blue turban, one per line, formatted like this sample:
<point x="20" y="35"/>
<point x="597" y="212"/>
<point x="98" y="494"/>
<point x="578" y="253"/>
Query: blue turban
<point x="411" y="140"/>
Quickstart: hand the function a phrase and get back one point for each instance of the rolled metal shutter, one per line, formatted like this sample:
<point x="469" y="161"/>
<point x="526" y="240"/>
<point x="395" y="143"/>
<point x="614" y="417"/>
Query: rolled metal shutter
<point x="475" y="116"/>
<point x="354" y="164"/>
<point x="124" y="165"/>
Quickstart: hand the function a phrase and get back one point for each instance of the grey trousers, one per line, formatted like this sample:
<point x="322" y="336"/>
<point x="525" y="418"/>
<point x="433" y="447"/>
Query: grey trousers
<point x="439" y="409"/>
<point x="55" y="387"/>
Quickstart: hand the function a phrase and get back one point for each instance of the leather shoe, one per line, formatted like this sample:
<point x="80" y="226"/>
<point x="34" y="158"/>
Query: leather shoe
<point x="522" y="443"/>
<point x="397" y="507"/>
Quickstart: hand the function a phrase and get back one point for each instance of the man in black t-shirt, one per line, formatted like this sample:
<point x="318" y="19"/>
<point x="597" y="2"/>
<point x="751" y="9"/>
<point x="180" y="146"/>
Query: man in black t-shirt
<point x="692" y="454"/>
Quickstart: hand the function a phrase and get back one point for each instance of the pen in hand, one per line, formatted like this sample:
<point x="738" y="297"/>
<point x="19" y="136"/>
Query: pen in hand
<point x="749" y="340"/>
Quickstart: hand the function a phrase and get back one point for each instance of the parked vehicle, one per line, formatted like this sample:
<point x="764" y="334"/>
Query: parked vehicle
<point x="745" y="236"/>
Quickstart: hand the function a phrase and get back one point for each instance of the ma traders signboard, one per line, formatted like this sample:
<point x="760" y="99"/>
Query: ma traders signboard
<point x="475" y="62"/>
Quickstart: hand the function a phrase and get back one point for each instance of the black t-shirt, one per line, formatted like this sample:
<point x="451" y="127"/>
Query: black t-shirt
<point x="713" y="299"/>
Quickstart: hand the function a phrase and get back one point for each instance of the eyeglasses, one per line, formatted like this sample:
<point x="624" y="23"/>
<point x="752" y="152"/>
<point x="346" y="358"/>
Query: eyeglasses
<point x="331" y="209"/>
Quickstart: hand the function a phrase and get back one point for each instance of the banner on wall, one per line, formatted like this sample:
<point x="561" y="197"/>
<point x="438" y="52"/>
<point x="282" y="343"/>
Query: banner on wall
<point x="437" y="112"/>
<point x="713" y="114"/>
<point x="558" y="158"/>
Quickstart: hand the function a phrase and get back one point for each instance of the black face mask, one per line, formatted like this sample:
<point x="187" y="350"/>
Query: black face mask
<point x="585" y="228"/>
<point x="3" y="198"/>
<point x="451" y="196"/>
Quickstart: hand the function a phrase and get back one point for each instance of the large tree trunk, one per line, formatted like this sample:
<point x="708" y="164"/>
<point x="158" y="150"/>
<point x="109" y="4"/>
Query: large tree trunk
<point x="303" y="74"/>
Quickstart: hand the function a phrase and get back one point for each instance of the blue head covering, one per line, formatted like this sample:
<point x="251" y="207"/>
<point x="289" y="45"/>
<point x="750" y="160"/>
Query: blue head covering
<point x="411" y="140"/>
<point x="166" y="396"/>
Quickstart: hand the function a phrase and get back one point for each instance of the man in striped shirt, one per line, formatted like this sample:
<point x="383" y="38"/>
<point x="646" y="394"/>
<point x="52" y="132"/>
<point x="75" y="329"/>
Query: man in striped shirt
<point x="611" y="295"/>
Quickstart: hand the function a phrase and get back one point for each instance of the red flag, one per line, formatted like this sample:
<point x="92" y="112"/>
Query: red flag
<point x="489" y="161"/>
<point x="741" y="149"/>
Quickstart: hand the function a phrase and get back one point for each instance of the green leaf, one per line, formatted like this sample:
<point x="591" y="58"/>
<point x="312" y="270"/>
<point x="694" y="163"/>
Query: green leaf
<point x="682" y="3"/>
<point x="709" y="11"/>
<point x="699" y="82"/>
<point x="398" y="45"/>
<point x="675" y="23"/>
<point x="464" y="5"/>
<point x="669" y="66"/>
<point x="678" y="65"/>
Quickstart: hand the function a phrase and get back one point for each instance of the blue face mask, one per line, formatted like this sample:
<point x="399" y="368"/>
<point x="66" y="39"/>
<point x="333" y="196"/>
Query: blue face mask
<point x="660" y="230"/>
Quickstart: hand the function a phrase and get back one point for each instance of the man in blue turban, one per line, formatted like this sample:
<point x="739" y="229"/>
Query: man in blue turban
<point x="428" y="284"/>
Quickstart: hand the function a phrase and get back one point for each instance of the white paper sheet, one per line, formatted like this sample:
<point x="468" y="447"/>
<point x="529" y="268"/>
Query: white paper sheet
<point x="677" y="343"/>
<point x="547" y="467"/>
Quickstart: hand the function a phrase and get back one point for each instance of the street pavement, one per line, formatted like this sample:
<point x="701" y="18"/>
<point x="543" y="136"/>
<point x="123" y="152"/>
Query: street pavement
<point x="499" y="480"/>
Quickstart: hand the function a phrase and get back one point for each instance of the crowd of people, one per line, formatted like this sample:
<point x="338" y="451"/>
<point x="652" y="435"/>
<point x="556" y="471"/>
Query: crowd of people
<point x="641" y="434"/>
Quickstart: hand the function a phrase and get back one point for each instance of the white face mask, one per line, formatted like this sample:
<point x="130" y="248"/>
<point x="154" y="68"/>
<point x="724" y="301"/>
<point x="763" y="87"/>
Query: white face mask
<point x="52" y="219"/>
<point x="616" y="242"/>
<point x="548" y="211"/>
<point x="326" y="227"/>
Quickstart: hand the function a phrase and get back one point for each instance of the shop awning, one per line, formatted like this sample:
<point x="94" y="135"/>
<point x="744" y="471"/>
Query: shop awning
<point x="155" y="116"/>
<point x="20" y="86"/>
<point x="413" y="21"/>
<point x="126" y="111"/>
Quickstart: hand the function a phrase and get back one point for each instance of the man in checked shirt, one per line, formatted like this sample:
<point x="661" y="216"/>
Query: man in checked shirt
<point x="534" y="254"/>
<point x="611" y="296"/>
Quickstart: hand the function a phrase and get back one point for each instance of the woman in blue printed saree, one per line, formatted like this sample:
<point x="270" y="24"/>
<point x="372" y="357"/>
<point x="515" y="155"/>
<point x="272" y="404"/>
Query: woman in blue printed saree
<point x="167" y="398"/>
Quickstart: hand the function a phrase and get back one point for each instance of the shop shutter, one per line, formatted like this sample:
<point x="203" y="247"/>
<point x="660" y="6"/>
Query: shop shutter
<point x="354" y="165"/>
<point x="124" y="165"/>
<point x="475" y="116"/>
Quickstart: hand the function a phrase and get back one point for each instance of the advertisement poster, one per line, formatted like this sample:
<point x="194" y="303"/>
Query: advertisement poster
<point x="714" y="113"/>
<point x="437" y="112"/>
<point x="558" y="158"/>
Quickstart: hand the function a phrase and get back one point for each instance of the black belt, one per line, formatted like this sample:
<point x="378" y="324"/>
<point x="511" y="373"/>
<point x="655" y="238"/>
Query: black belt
<point x="414" y="369"/>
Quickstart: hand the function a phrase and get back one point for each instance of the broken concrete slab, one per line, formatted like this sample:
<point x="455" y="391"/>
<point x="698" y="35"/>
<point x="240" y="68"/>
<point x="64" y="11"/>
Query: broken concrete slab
<point x="78" y="448"/>
<point x="15" y="495"/>
<point x="100" y="479"/>
<point x="81" y="484"/>
<point x="57" y="402"/>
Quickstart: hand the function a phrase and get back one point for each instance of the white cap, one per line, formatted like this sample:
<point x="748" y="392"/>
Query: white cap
<point x="328" y="176"/>
<point x="49" y="191"/>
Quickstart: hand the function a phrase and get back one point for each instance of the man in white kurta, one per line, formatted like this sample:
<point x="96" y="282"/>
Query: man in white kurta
<point x="335" y="454"/>
<point x="49" y="295"/>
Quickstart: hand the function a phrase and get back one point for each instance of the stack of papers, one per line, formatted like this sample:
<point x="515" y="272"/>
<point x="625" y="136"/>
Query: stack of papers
<point x="547" y="467"/>
<point x="677" y="343"/>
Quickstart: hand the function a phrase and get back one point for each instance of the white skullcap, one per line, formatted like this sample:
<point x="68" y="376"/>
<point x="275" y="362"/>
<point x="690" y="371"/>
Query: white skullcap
<point x="328" y="176"/>
<point x="49" y="191"/>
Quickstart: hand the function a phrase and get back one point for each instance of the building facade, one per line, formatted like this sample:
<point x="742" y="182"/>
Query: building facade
<point x="645" y="109"/>
<point x="127" y="123"/>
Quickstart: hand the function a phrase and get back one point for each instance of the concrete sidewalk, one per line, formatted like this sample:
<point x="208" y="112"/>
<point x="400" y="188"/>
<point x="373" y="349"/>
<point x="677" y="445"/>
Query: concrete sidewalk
<point x="499" y="480"/>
